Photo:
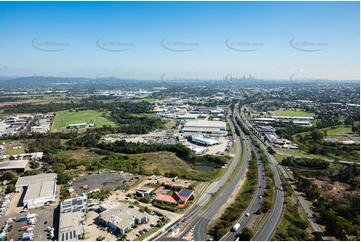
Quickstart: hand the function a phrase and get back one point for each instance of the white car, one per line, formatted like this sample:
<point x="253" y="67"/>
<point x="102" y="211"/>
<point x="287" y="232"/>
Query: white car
<point x="247" y="214"/>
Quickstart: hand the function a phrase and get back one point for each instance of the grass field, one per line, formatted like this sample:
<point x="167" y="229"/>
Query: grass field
<point x="12" y="143"/>
<point x="64" y="118"/>
<point x="170" y="124"/>
<point x="338" y="131"/>
<point x="298" y="112"/>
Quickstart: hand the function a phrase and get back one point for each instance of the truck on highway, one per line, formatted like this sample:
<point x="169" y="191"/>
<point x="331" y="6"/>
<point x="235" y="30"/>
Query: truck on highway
<point x="236" y="227"/>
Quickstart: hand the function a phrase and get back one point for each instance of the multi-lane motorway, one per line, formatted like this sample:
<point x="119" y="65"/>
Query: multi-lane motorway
<point x="270" y="224"/>
<point x="300" y="198"/>
<point x="200" y="223"/>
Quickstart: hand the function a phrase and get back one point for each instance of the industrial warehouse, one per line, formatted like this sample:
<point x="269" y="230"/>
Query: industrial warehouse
<point x="39" y="189"/>
<point x="205" y="126"/>
<point x="204" y="141"/>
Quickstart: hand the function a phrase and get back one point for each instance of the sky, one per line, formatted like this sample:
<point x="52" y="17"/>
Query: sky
<point x="181" y="40"/>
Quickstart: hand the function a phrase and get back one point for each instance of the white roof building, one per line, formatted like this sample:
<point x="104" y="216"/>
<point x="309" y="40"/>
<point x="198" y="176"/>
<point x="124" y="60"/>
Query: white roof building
<point x="122" y="218"/>
<point x="205" y="126"/>
<point x="40" y="189"/>
<point x="14" y="165"/>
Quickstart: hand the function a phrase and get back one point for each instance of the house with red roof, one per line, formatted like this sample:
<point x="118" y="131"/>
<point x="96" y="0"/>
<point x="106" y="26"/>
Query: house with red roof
<point x="158" y="190"/>
<point x="180" y="197"/>
<point x="166" y="199"/>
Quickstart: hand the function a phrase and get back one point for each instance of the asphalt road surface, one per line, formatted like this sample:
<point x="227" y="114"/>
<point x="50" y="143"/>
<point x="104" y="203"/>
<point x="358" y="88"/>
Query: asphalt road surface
<point x="199" y="224"/>
<point x="300" y="198"/>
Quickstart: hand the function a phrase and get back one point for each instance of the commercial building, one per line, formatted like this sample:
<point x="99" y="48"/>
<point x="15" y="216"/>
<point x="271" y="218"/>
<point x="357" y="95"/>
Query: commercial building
<point x="205" y="126"/>
<point x="14" y="165"/>
<point x="122" y="218"/>
<point x="180" y="197"/>
<point x="188" y="116"/>
<point x="78" y="126"/>
<point x="108" y="204"/>
<point x="292" y="118"/>
<point x="205" y="141"/>
<point x="72" y="218"/>
<point x="144" y="191"/>
<point x="35" y="155"/>
<point x="166" y="199"/>
<point x="40" y="189"/>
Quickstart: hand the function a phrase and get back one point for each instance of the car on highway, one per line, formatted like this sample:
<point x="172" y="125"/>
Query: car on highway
<point x="260" y="196"/>
<point x="247" y="214"/>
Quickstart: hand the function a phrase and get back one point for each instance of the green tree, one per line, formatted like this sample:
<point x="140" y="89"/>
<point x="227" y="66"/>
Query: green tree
<point x="10" y="187"/>
<point x="247" y="234"/>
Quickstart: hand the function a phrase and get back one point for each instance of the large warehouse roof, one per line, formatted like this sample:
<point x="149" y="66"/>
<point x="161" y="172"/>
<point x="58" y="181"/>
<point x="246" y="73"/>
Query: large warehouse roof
<point x="39" y="186"/>
<point x="13" y="164"/>
<point x="206" y="123"/>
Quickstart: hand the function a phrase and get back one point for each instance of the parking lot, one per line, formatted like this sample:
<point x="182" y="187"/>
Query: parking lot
<point x="45" y="218"/>
<point x="105" y="179"/>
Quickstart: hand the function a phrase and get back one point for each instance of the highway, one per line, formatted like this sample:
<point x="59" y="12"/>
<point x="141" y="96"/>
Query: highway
<point x="269" y="226"/>
<point x="254" y="204"/>
<point x="300" y="198"/>
<point x="200" y="223"/>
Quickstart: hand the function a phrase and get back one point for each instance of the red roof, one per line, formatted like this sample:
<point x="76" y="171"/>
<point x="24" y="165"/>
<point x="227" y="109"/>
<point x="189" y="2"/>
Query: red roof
<point x="165" y="198"/>
<point x="159" y="189"/>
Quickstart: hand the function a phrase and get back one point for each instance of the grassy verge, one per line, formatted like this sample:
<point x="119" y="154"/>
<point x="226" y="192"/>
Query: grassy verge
<point x="279" y="157"/>
<point x="270" y="189"/>
<point x="293" y="224"/>
<point x="242" y="201"/>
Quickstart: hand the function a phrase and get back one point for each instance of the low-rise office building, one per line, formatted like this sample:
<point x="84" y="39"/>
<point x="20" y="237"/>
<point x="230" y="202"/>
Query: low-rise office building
<point x="122" y="218"/>
<point x="72" y="218"/>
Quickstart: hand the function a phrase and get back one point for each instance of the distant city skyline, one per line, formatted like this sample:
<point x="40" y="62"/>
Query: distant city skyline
<point x="181" y="40"/>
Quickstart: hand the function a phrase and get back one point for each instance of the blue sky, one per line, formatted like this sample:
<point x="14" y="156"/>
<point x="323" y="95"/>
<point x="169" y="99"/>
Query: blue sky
<point x="145" y="40"/>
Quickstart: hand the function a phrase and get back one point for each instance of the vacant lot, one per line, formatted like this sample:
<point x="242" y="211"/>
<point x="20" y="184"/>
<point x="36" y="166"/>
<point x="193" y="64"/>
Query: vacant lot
<point x="64" y="118"/>
<point x="106" y="179"/>
<point x="12" y="147"/>
<point x="297" y="112"/>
